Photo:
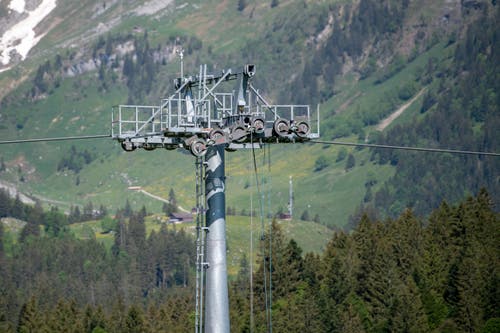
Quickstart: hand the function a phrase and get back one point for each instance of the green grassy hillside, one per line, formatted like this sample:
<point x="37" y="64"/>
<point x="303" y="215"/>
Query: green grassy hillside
<point x="310" y="236"/>
<point x="333" y="193"/>
<point x="222" y="36"/>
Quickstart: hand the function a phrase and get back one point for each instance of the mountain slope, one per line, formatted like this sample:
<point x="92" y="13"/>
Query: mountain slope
<point x="361" y="59"/>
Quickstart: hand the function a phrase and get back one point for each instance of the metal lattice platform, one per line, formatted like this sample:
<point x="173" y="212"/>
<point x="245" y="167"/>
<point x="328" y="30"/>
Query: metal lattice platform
<point x="199" y="114"/>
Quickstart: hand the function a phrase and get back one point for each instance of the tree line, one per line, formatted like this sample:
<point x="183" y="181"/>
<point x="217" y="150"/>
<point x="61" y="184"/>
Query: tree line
<point x="409" y="274"/>
<point x="51" y="281"/>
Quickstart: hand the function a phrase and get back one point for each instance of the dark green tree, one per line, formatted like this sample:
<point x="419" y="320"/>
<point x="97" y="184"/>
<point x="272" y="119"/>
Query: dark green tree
<point x="351" y="162"/>
<point x="242" y="5"/>
<point x="30" y="319"/>
<point x="321" y="163"/>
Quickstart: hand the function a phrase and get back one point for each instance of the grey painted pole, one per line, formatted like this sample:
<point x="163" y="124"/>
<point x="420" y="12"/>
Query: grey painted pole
<point x="217" y="300"/>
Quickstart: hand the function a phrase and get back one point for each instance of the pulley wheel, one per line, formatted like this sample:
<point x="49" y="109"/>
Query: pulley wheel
<point x="238" y="133"/>
<point x="198" y="147"/>
<point x="128" y="146"/>
<point x="258" y="125"/>
<point x="171" y="147"/>
<point x="281" y="127"/>
<point x="216" y="135"/>
<point x="303" y="129"/>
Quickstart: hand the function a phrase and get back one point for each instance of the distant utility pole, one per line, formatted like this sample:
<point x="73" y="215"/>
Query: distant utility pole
<point x="290" y="200"/>
<point x="205" y="121"/>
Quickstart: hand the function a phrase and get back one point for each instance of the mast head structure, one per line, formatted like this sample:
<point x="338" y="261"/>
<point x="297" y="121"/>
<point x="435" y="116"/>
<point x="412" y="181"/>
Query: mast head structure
<point x="202" y="118"/>
<point x="199" y="114"/>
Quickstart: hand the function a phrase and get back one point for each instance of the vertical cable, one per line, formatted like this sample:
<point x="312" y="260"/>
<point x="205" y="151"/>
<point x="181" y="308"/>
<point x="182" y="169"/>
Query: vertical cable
<point x="251" y="255"/>
<point x="261" y="209"/>
<point x="270" y="244"/>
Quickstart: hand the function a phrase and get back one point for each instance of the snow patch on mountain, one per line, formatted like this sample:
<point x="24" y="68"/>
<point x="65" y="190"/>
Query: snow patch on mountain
<point x="152" y="7"/>
<point x="17" y="5"/>
<point x="20" y="38"/>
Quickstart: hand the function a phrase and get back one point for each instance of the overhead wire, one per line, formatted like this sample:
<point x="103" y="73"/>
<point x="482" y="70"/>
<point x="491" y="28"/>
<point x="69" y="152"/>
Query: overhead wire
<point x="270" y="241"/>
<point x="261" y="209"/>
<point x="339" y="143"/>
<point x="62" y="138"/>
<point x="420" y="149"/>
<point x="251" y="254"/>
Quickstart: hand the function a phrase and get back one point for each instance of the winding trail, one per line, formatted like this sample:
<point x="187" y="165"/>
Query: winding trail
<point x="139" y="189"/>
<point x="387" y="121"/>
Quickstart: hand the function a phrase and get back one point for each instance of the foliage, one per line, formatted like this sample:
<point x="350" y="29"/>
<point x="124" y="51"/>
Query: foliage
<point x="75" y="160"/>
<point x="170" y="206"/>
<point x="405" y="274"/>
<point x="350" y="163"/>
<point x="463" y="101"/>
<point x="242" y="5"/>
<point x="321" y="163"/>
<point x="342" y="154"/>
<point x="44" y="271"/>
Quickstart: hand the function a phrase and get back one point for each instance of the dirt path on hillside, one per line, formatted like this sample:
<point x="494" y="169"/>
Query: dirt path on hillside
<point x="387" y="121"/>
<point x="344" y="105"/>
<point x="151" y="195"/>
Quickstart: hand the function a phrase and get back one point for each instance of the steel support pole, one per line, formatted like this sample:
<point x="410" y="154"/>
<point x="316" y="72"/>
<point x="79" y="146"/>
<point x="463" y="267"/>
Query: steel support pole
<point x="217" y="300"/>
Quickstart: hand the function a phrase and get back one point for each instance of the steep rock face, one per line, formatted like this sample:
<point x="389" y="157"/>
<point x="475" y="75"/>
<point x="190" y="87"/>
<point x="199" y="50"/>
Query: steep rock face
<point x="21" y="25"/>
<point x="19" y="34"/>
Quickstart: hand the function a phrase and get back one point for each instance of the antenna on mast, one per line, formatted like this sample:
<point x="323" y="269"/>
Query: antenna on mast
<point x="290" y="202"/>
<point x="180" y="53"/>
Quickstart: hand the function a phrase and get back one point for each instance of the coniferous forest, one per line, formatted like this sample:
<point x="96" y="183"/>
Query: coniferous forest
<point x="409" y="274"/>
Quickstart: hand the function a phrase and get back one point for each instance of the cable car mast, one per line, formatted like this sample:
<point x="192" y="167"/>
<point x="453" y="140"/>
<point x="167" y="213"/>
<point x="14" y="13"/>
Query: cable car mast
<point x="207" y="124"/>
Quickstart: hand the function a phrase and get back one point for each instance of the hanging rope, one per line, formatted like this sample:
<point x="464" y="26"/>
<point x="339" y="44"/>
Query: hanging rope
<point x="262" y="237"/>
<point x="251" y="254"/>
<point x="270" y="240"/>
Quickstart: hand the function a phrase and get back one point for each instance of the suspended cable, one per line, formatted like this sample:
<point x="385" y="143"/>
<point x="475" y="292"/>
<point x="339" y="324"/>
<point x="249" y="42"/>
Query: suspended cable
<point x="261" y="209"/>
<point x="62" y="138"/>
<point x="251" y="255"/>
<point x="339" y="143"/>
<point x="270" y="244"/>
<point x="422" y="149"/>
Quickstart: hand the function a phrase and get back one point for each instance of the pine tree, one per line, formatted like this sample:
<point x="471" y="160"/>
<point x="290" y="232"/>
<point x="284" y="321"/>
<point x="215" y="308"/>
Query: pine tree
<point x="351" y="162"/>
<point x="93" y="319"/>
<point x="5" y="203"/>
<point x="350" y="320"/>
<point x="18" y="208"/>
<point x="134" y="322"/>
<point x="30" y="320"/>
<point x="120" y="235"/>
<point x="408" y="314"/>
<point x="127" y="211"/>
<point x="242" y="5"/>
<point x="340" y="265"/>
<point x="137" y="233"/>
<point x="29" y="229"/>
<point x="65" y="317"/>
<point x="88" y="212"/>
<point x="172" y="200"/>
